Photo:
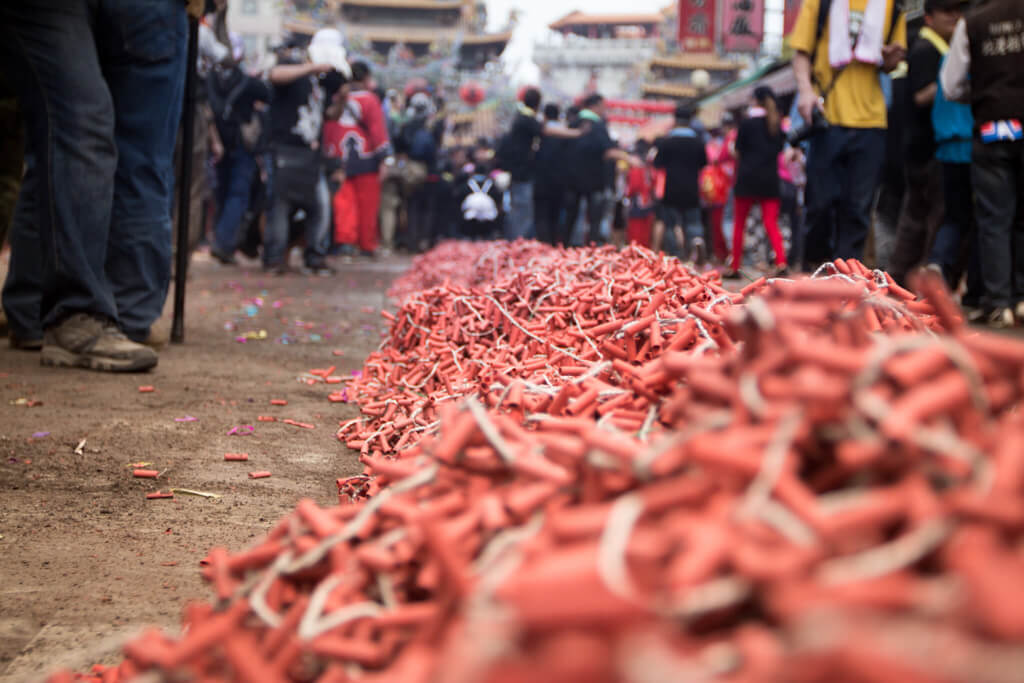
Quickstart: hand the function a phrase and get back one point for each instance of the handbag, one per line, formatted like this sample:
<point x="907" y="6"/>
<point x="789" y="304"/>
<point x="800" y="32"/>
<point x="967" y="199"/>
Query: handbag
<point x="297" y="170"/>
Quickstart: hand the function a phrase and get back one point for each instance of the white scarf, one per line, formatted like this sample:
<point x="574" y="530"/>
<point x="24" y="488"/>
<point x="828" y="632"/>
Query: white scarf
<point x="869" y="40"/>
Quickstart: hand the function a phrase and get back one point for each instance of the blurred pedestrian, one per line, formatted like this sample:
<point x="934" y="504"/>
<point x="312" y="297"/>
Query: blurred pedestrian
<point x="759" y="142"/>
<point x="303" y="88"/>
<point x="550" y="183"/>
<point x="360" y="139"/>
<point x="682" y="154"/>
<point x="841" y="48"/>
<point x="923" y="205"/>
<point x="983" y="67"/>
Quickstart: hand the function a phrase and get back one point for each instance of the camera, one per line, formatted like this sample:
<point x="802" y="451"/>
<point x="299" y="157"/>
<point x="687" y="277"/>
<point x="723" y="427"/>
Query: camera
<point x="816" y="125"/>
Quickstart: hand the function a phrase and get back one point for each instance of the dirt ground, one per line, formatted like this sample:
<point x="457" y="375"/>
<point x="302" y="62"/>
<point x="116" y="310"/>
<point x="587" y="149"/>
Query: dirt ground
<point x="85" y="558"/>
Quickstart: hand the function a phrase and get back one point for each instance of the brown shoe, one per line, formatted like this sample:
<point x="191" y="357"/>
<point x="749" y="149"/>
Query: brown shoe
<point x="88" y="341"/>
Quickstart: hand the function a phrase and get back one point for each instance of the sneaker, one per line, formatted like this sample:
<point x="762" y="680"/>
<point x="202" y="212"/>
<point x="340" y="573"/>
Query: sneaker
<point x="730" y="274"/>
<point x="371" y="255"/>
<point x="24" y="344"/>
<point x="89" y="341"/>
<point x="999" y="318"/>
<point x="780" y="271"/>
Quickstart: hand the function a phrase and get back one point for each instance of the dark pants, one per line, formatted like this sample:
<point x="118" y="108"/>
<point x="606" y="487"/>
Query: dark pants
<point x="235" y="173"/>
<point x="596" y="204"/>
<point x="547" y="214"/>
<point x="997" y="170"/>
<point x="421" y="217"/>
<point x="23" y="289"/>
<point x="920" y="217"/>
<point x="104" y="190"/>
<point x="956" y="243"/>
<point x="843" y="169"/>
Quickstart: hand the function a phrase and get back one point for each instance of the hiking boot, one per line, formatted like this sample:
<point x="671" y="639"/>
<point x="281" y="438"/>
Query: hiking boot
<point x="89" y="341"/>
<point x="24" y="344"/>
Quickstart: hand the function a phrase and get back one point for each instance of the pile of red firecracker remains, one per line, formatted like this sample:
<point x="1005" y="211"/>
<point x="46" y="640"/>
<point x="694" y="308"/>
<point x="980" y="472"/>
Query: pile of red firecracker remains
<point x="598" y="465"/>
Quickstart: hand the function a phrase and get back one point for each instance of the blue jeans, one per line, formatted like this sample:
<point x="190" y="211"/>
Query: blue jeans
<point x="690" y="220"/>
<point x="318" y="215"/>
<point x="101" y="84"/>
<point x="234" y="187"/>
<point x="519" y="222"/>
<point x="843" y="169"/>
<point x="23" y="289"/>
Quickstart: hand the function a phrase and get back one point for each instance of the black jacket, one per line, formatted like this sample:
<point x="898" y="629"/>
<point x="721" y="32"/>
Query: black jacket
<point x="682" y="154"/>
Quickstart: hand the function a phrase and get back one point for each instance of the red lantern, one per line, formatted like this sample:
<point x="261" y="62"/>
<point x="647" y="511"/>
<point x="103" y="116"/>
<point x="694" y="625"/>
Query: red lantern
<point x="471" y="93"/>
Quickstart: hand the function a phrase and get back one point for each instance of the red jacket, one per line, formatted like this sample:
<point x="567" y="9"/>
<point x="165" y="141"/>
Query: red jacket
<point x="360" y="136"/>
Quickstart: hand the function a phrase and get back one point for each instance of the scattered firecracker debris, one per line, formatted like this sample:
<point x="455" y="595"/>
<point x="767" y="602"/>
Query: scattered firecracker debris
<point x="266" y="418"/>
<point x="295" y="423"/>
<point x="259" y="475"/>
<point x="278" y="402"/>
<point x="146" y="389"/>
<point x="160" y="494"/>
<point x="237" y="457"/>
<point x="146" y="474"/>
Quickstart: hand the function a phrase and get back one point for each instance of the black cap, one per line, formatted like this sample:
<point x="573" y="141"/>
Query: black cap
<point x="933" y="5"/>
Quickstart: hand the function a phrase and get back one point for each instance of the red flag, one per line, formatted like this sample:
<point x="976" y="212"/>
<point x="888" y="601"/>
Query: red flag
<point x="742" y="25"/>
<point x="697" y="25"/>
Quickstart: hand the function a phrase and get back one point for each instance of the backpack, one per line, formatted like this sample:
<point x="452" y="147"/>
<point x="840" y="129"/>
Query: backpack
<point x="824" y="7"/>
<point x="224" y="87"/>
<point x="479" y="205"/>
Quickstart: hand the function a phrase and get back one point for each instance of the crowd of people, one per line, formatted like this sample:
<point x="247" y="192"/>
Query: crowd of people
<point x="901" y="158"/>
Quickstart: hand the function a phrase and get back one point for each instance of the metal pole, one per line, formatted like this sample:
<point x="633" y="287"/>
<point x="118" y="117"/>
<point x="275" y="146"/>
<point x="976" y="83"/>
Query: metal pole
<point x="185" y="184"/>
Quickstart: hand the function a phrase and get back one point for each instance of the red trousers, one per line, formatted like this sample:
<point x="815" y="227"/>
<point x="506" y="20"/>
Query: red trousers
<point x="718" y="245"/>
<point x="639" y="230"/>
<point x="359" y="194"/>
<point x="770" y="213"/>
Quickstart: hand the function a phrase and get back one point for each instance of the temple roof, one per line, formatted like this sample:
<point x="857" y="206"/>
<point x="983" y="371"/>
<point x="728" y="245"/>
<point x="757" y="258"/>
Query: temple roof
<point x="581" y="18"/>
<point x="670" y="90"/>
<point x="484" y="38"/>
<point x="406" y="4"/>
<point x="708" y="62"/>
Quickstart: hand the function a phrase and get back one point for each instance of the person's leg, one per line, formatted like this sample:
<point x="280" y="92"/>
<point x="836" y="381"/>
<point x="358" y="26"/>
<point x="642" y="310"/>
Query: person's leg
<point x="517" y="223"/>
<point x="368" y="199"/>
<point x="715" y="217"/>
<point x="693" y="229"/>
<point x="390" y="203"/>
<point x="770" y="213"/>
<point x="143" y="51"/>
<point x="596" y="206"/>
<point x="318" y="225"/>
<point x="1017" y="159"/>
<point x="48" y="53"/>
<point x="22" y="293"/>
<point x="912" y="238"/>
<point x="862" y="156"/>
<point x="741" y="209"/>
<point x="542" y="217"/>
<point x="275" y="236"/>
<point x="824" y="168"/>
<point x="235" y="188"/>
<point x="567" y="226"/>
<point x="995" y="203"/>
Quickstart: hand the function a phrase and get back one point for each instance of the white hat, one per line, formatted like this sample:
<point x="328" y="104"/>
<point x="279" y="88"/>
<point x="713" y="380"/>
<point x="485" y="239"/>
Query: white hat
<point x="326" y="48"/>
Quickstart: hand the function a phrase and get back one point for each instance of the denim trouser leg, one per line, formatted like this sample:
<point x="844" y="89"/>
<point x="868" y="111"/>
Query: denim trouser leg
<point x="48" y="52"/>
<point x="998" y="179"/>
<point x="596" y="206"/>
<point x="920" y="217"/>
<point x="862" y="158"/>
<point x="23" y="291"/>
<point x="275" y="239"/>
<point x="234" y="187"/>
<point x="519" y="222"/>
<point x="318" y="218"/>
<point x="143" y="49"/>
<point x="693" y="226"/>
